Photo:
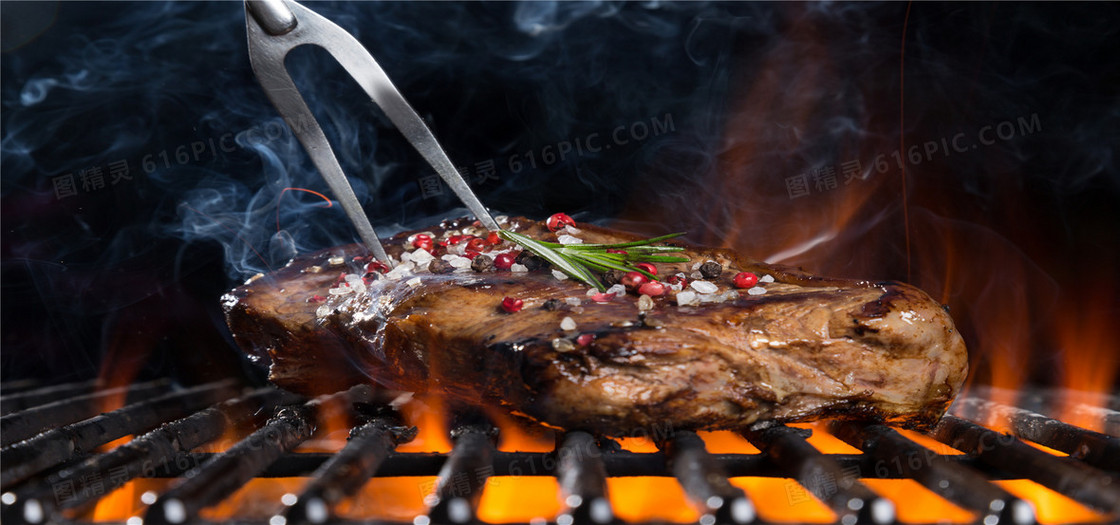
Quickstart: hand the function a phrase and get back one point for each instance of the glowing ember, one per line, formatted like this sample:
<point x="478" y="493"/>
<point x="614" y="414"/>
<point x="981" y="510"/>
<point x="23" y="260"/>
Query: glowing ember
<point x="1050" y="506"/>
<point x="519" y="499"/>
<point x="921" y="505"/>
<point x="650" y="499"/>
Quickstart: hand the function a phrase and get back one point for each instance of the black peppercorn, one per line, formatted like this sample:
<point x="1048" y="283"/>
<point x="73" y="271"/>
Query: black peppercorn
<point x="482" y="263"/>
<point x="440" y="266"/>
<point x="613" y="277"/>
<point x="711" y="270"/>
<point x="530" y="261"/>
<point x="551" y="305"/>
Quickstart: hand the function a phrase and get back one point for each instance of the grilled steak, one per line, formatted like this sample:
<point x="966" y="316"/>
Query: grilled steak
<point x="806" y="348"/>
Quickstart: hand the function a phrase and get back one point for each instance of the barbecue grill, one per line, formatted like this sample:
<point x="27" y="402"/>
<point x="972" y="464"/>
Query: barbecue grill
<point x="57" y="465"/>
<point x="144" y="171"/>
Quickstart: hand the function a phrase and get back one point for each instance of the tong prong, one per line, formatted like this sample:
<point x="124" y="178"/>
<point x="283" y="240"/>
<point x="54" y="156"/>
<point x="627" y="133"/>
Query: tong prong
<point x="274" y="28"/>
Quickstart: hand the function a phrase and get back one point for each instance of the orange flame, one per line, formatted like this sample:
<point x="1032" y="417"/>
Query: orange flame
<point x="427" y="413"/>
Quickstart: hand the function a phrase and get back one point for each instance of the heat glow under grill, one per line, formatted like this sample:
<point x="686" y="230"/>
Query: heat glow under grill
<point x="219" y="453"/>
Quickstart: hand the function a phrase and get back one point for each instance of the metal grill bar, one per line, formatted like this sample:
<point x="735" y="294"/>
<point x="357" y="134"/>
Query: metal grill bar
<point x="582" y="463"/>
<point x="32" y="456"/>
<point x="159" y="448"/>
<point x="1105" y="408"/>
<point x="22" y="425"/>
<point x="463" y="476"/>
<point x="894" y="454"/>
<point x="1074" y="479"/>
<point x="22" y="400"/>
<point x="345" y="472"/>
<point x="1092" y="447"/>
<point x="18" y="386"/>
<point x="705" y="482"/>
<point x="227" y="472"/>
<point x="583" y="481"/>
<point x="823" y="477"/>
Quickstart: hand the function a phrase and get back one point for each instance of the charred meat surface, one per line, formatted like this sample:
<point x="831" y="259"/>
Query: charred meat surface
<point x="806" y="348"/>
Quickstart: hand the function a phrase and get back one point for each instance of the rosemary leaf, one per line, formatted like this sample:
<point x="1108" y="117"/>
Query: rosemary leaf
<point x="578" y="260"/>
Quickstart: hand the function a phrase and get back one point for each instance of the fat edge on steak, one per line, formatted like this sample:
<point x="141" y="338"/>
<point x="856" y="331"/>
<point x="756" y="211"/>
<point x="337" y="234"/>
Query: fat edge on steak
<point x="809" y="348"/>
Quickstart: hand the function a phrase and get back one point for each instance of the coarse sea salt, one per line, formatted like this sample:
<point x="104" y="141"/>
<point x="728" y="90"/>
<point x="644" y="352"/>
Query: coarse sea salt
<point x="697" y="265"/>
<point x="766" y="279"/>
<point x="559" y="275"/>
<point x="686" y="298"/>
<point x="322" y="311"/>
<point x="563" y="345"/>
<point x="572" y="230"/>
<point x="359" y="287"/>
<point x="413" y="282"/>
<point x="568" y="239"/>
<point x="695" y="276"/>
<point x="568" y="324"/>
<point x="341" y="290"/>
<point x="335" y="261"/>
<point x="617" y="289"/>
<point x="460" y="262"/>
<point x="645" y="303"/>
<point x="518" y="268"/>
<point x="574" y="301"/>
<point x="421" y="257"/>
<point x="756" y="290"/>
<point x="399" y="272"/>
<point x="704" y="286"/>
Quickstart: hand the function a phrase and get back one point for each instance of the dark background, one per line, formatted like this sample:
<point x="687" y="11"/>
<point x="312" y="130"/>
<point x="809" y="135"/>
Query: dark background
<point x="1019" y="236"/>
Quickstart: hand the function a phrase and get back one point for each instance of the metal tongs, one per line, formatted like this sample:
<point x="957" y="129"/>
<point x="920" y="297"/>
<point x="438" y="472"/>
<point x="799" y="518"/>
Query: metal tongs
<point x="274" y="28"/>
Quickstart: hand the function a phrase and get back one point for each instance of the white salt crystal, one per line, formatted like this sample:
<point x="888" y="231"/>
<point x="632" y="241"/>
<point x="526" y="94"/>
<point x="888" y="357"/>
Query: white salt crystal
<point x="341" y="290"/>
<point x="574" y="301"/>
<point x="460" y="262"/>
<point x="406" y="257"/>
<point x="322" y="311"/>
<point x="359" y="287"/>
<point x="695" y="275"/>
<point x="562" y="345"/>
<point x="704" y="286"/>
<point x="351" y="277"/>
<point x="518" y="268"/>
<point x="756" y="290"/>
<point x="559" y="275"/>
<point x="709" y="298"/>
<point x="449" y="257"/>
<point x="421" y="257"/>
<point x="676" y="287"/>
<point x="617" y="289"/>
<point x="645" y="303"/>
<point x="335" y="261"/>
<point x="399" y="272"/>
<point x="572" y="230"/>
<point x="766" y="279"/>
<point x="592" y="291"/>
<point x="413" y="282"/>
<point x="567" y="324"/>
<point x="686" y="298"/>
<point x="697" y="266"/>
<point x="501" y="219"/>
<point x="568" y="239"/>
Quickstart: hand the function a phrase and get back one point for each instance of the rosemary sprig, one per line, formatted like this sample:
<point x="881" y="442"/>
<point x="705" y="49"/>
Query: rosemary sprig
<point x="579" y="261"/>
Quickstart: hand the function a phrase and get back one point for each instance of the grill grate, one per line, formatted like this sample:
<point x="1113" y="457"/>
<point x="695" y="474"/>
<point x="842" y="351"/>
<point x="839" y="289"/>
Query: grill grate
<point x="172" y="423"/>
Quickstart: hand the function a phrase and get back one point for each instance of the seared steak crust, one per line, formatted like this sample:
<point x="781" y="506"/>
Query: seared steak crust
<point x="810" y="347"/>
